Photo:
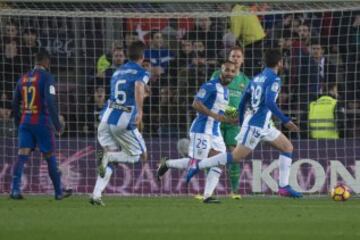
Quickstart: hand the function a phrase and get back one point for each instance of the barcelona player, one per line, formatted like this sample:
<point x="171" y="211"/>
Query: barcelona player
<point x="35" y="114"/>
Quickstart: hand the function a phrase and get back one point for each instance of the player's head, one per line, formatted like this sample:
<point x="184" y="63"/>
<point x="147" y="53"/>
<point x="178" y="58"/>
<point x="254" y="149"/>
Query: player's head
<point x="228" y="71"/>
<point x="42" y="58"/>
<point x="236" y="56"/>
<point x="136" y="51"/>
<point x="274" y="59"/>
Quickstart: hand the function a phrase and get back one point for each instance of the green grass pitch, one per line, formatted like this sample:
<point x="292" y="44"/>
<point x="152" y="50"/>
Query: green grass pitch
<point x="172" y="218"/>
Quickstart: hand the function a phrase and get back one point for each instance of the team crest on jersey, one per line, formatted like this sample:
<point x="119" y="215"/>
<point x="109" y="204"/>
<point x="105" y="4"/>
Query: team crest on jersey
<point x="275" y="87"/>
<point x="52" y="90"/>
<point x="201" y="93"/>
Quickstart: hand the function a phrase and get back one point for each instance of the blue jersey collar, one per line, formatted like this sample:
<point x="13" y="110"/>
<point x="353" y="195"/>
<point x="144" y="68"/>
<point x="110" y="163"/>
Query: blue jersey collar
<point x="268" y="70"/>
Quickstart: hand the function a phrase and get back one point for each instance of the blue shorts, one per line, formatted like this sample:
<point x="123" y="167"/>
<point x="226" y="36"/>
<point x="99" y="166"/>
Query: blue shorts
<point x="31" y="136"/>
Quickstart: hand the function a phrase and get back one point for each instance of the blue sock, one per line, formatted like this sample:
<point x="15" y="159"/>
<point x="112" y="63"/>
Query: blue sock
<point x="229" y="158"/>
<point x="17" y="173"/>
<point x="54" y="175"/>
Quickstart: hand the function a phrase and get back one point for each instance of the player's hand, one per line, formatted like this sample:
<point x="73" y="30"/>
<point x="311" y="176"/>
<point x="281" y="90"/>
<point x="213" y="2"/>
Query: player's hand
<point x="223" y="119"/>
<point x="138" y="118"/>
<point x="62" y="125"/>
<point x="292" y="126"/>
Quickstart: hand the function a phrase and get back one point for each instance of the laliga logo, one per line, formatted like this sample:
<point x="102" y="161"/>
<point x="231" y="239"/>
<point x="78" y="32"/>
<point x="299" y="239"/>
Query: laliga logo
<point x="309" y="179"/>
<point x="69" y="177"/>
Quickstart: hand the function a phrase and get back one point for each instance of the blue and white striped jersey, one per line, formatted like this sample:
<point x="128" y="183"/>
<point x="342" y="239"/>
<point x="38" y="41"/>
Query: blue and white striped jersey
<point x="120" y="109"/>
<point x="262" y="93"/>
<point x="216" y="98"/>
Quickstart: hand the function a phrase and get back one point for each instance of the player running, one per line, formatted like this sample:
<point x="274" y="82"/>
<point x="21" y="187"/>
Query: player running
<point x="261" y="94"/>
<point x="119" y="121"/>
<point x="34" y="101"/>
<point x="205" y="136"/>
<point x="230" y="131"/>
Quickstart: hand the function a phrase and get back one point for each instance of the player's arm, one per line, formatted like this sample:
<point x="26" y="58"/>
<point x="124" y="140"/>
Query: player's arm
<point x="139" y="97"/>
<point x="243" y="102"/>
<point x="270" y="101"/>
<point x="199" y="106"/>
<point x="16" y="104"/>
<point x="50" y="99"/>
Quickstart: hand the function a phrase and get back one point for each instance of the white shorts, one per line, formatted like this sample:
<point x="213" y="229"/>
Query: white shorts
<point x="130" y="141"/>
<point x="200" y="145"/>
<point x="250" y="136"/>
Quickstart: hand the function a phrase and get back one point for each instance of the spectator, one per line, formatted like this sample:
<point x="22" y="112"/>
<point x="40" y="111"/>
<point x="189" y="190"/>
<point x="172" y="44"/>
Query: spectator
<point x="171" y="119"/>
<point x="12" y="67"/>
<point x="94" y="107"/>
<point x="350" y="46"/>
<point x="248" y="29"/>
<point x="130" y="37"/>
<point x="118" y="58"/>
<point x="104" y="62"/>
<point x="205" y="32"/>
<point x="7" y="128"/>
<point x="315" y="72"/>
<point x="326" y="115"/>
<point x="186" y="54"/>
<point x="11" y="31"/>
<point x="30" y="47"/>
<point x="159" y="56"/>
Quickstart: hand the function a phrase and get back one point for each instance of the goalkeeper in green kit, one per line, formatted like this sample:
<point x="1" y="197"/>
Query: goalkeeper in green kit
<point x="229" y="132"/>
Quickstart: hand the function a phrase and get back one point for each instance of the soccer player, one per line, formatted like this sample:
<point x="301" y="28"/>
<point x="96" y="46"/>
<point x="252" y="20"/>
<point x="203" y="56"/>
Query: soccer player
<point x="261" y="94"/>
<point x="205" y="136"/>
<point x="121" y="116"/>
<point x="34" y="101"/>
<point x="230" y="131"/>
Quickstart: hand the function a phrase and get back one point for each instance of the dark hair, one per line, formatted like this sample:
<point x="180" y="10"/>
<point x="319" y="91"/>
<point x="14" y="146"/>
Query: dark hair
<point x="237" y="48"/>
<point x="272" y="57"/>
<point x="41" y="56"/>
<point x="329" y="87"/>
<point x="136" y="50"/>
<point x="118" y="49"/>
<point x="315" y="41"/>
<point x="228" y="62"/>
<point x="132" y="33"/>
<point x="30" y="31"/>
<point x="153" y="32"/>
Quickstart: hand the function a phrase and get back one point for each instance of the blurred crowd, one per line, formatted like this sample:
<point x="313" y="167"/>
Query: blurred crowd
<point x="318" y="48"/>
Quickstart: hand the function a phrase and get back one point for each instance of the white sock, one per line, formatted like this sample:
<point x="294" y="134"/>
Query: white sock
<point x="101" y="183"/>
<point x="284" y="169"/>
<point x="212" y="181"/>
<point x="181" y="163"/>
<point x="121" y="157"/>
<point x="219" y="159"/>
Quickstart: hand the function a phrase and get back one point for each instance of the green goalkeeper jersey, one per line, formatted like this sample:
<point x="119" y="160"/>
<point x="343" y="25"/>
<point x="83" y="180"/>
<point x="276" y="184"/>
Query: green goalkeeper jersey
<point x="236" y="88"/>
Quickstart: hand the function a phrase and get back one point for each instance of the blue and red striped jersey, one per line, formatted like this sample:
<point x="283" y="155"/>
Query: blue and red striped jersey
<point x="34" y="99"/>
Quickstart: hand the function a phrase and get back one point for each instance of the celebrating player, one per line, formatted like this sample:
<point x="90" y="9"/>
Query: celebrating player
<point x="34" y="100"/>
<point x="119" y="121"/>
<point x="230" y="131"/>
<point x="261" y="93"/>
<point x="205" y="136"/>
